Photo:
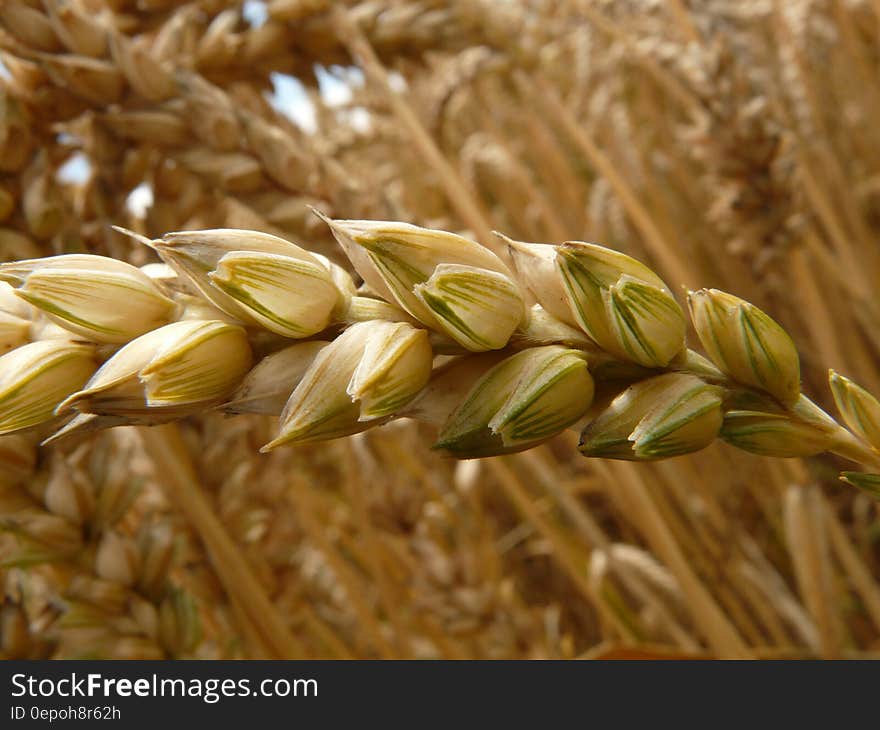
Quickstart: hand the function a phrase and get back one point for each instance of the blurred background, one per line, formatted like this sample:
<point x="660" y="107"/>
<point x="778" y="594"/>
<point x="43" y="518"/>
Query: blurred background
<point x="727" y="143"/>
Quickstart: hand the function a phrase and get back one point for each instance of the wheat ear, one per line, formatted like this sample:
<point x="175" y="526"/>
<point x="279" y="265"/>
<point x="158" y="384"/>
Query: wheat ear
<point x="501" y="357"/>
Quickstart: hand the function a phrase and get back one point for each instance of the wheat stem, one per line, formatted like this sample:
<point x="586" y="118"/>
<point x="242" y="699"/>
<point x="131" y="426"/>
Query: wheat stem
<point x="859" y="574"/>
<point x="540" y="463"/>
<point x="572" y="562"/>
<point x="175" y="472"/>
<point x="719" y="632"/>
<point x="664" y="251"/>
<point x="809" y="551"/>
<point x="664" y="78"/>
<point x="453" y="185"/>
<point x="303" y="502"/>
<point x="680" y="12"/>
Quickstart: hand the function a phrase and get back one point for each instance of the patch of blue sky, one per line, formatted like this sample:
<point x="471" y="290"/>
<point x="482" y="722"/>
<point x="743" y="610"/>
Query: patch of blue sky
<point x="289" y="97"/>
<point x="255" y="12"/>
<point x="140" y="200"/>
<point x="335" y="87"/>
<point x="75" y="170"/>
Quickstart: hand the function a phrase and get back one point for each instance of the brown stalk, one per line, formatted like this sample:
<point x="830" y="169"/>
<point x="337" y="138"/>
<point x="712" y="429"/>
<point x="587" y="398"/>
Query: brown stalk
<point x="682" y="17"/>
<point x="859" y="574"/>
<point x="303" y="503"/>
<point x="808" y="546"/>
<point x="575" y="565"/>
<point x="175" y="473"/>
<point x="541" y="464"/>
<point x="389" y="594"/>
<point x="470" y="211"/>
<point x="663" y="251"/>
<point x="719" y="632"/>
<point x="663" y="77"/>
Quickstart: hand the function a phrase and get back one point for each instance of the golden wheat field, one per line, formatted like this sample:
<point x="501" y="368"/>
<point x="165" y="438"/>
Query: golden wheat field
<point x="306" y="351"/>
